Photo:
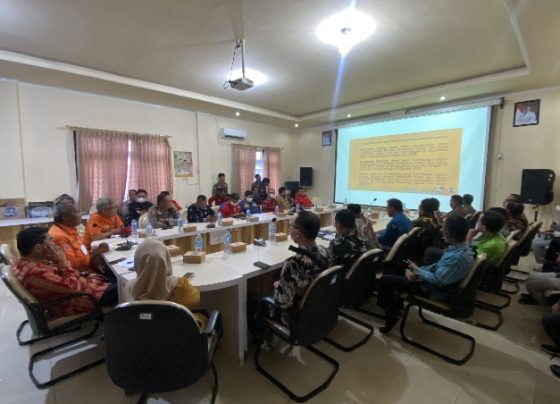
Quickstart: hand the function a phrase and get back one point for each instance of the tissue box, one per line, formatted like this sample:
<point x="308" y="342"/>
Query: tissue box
<point x="332" y="206"/>
<point x="254" y="219"/>
<point x="238" y="247"/>
<point x="281" y="214"/>
<point x="189" y="228"/>
<point x="318" y="209"/>
<point x="227" y="222"/>
<point x="173" y="250"/>
<point x="374" y="215"/>
<point x="193" y="257"/>
<point x="281" y="237"/>
<point x="13" y="208"/>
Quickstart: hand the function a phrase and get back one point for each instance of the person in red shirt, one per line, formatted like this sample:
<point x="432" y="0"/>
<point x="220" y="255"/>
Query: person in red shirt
<point x="270" y="203"/>
<point x="45" y="272"/>
<point x="218" y="199"/>
<point x="302" y="199"/>
<point x="231" y="207"/>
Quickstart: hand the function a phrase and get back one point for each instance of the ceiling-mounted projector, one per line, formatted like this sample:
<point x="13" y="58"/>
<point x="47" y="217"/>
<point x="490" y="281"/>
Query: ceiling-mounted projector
<point x="242" y="83"/>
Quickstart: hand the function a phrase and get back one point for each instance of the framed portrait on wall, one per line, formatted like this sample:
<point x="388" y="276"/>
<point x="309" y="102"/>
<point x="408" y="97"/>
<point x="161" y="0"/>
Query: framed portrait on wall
<point x="326" y="137"/>
<point x="526" y="113"/>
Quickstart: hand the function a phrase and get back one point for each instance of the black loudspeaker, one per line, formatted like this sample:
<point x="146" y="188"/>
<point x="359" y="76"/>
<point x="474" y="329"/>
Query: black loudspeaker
<point x="293" y="186"/>
<point x="306" y="176"/>
<point x="536" y="186"/>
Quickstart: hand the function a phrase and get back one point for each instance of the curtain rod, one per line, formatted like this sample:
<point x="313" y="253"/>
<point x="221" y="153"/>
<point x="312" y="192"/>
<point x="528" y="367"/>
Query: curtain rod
<point x="116" y="131"/>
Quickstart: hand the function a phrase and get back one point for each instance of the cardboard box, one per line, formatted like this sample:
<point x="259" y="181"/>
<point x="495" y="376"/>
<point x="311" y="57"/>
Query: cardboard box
<point x="318" y="210"/>
<point x="254" y="219"/>
<point x="281" y="237"/>
<point x="12" y="208"/>
<point x="227" y="222"/>
<point x="238" y="247"/>
<point x="189" y="228"/>
<point x="193" y="257"/>
<point x="281" y="214"/>
<point x="173" y="250"/>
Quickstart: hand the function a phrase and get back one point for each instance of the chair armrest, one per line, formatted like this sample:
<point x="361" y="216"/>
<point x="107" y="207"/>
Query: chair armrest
<point x="214" y="324"/>
<point x="47" y="305"/>
<point x="269" y="301"/>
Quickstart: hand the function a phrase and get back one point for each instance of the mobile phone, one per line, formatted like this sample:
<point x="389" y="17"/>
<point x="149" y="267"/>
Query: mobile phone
<point x="117" y="261"/>
<point x="261" y="265"/>
<point x="188" y="275"/>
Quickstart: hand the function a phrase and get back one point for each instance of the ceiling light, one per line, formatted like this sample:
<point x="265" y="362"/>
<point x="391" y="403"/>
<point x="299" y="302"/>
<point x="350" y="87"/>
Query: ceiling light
<point x="237" y="113"/>
<point x="348" y="115"/>
<point x="257" y="77"/>
<point x="442" y="98"/>
<point x="346" y="29"/>
<point x="296" y="125"/>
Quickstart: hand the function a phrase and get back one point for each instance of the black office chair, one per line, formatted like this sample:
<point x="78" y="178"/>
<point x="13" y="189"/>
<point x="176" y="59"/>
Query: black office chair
<point x="522" y="249"/>
<point x="393" y="262"/>
<point x="156" y="346"/>
<point x="473" y="220"/>
<point x="492" y="279"/>
<point x="311" y="321"/>
<point x="460" y="305"/>
<point x="358" y="287"/>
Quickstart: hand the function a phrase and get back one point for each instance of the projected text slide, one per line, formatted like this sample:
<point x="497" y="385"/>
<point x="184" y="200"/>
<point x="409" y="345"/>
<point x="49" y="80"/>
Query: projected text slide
<point x="421" y="162"/>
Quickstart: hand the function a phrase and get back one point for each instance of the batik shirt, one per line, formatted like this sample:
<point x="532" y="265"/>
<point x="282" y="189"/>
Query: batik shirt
<point x="347" y="249"/>
<point x="161" y="219"/>
<point x="297" y="273"/>
<point x="197" y="215"/>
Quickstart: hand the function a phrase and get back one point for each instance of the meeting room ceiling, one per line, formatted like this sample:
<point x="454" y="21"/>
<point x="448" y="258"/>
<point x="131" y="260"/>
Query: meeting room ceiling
<point x="179" y="52"/>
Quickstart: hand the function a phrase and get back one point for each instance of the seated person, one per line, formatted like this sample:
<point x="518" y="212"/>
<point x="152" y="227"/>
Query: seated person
<point x="364" y="227"/>
<point x="163" y="215"/>
<point x="492" y="242"/>
<point x="428" y="237"/>
<point x="104" y="223"/>
<point x="438" y="216"/>
<point x="123" y="209"/>
<point x="269" y="204"/>
<point x="347" y="247"/>
<point x="290" y="197"/>
<point x="155" y="280"/>
<point x="200" y="212"/>
<point x="231" y="207"/>
<point x="516" y="219"/>
<point x="46" y="273"/>
<point x="467" y="204"/>
<point x="302" y="199"/>
<point x="64" y="199"/>
<point x="283" y="200"/>
<point x="299" y="270"/>
<point x="262" y="192"/>
<point x="456" y="204"/>
<point x="426" y="280"/>
<point x="547" y="245"/>
<point x="139" y="206"/>
<point x="219" y="198"/>
<point x="65" y="235"/>
<point x="538" y="283"/>
<point x="248" y="204"/>
<point x="174" y="203"/>
<point x="397" y="226"/>
<point x="512" y="198"/>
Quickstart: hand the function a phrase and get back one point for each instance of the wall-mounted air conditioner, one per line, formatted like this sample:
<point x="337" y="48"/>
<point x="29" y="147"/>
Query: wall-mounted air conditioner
<point x="233" y="133"/>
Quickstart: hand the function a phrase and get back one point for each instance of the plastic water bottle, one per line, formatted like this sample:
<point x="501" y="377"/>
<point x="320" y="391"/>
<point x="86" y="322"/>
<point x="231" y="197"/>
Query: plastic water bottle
<point x="134" y="229"/>
<point x="276" y="210"/>
<point x="329" y="203"/>
<point x="227" y="243"/>
<point x="297" y="207"/>
<point x="272" y="231"/>
<point x="219" y="218"/>
<point x="369" y="211"/>
<point x="248" y="214"/>
<point x="198" y="243"/>
<point x="149" y="230"/>
<point x="180" y="225"/>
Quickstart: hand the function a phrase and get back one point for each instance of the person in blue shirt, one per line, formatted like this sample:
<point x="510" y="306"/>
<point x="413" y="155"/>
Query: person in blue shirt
<point x="248" y="204"/>
<point x="428" y="280"/>
<point x="397" y="226"/>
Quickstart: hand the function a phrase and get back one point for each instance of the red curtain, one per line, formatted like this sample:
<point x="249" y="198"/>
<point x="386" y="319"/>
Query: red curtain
<point x="102" y="165"/>
<point x="272" y="166"/>
<point x="150" y="164"/>
<point x="243" y="168"/>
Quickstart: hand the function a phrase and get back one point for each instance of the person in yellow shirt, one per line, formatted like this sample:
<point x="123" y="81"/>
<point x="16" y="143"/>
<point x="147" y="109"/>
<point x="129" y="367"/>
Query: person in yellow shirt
<point x="104" y="223"/>
<point x="155" y="280"/>
<point x="282" y="199"/>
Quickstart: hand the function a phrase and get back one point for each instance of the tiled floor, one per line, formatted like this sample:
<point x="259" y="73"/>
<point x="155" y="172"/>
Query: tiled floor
<point x="507" y="367"/>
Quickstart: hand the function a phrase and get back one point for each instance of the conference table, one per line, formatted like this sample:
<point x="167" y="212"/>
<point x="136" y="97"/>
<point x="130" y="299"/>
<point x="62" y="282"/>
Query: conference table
<point x="224" y="280"/>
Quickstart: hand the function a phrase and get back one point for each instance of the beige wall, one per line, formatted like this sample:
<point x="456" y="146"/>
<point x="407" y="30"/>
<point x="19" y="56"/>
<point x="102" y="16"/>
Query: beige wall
<point x="35" y="122"/>
<point x="522" y="147"/>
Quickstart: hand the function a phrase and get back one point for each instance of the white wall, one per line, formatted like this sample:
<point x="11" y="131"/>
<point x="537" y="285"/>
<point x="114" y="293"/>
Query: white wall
<point x="36" y="122"/>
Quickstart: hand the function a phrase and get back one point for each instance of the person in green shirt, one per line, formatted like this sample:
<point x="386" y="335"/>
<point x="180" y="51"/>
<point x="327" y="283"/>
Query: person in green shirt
<point x="490" y="242"/>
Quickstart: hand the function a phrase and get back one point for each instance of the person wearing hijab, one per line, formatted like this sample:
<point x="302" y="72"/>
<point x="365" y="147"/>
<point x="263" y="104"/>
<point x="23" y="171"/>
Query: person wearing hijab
<point x="155" y="280"/>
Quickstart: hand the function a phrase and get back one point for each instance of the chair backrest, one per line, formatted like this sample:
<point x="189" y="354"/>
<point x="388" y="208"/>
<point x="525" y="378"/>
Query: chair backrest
<point x="463" y="299"/>
<point x="10" y="254"/>
<point x="526" y="239"/>
<point x="360" y="279"/>
<point x="317" y="312"/>
<point x="514" y="235"/>
<point x="397" y="248"/>
<point x="154" y="346"/>
<point x="474" y="219"/>
<point x="143" y="221"/>
<point x="413" y="241"/>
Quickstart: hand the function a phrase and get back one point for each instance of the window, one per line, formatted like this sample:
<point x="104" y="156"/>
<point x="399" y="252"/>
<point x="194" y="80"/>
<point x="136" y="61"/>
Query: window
<point x="259" y="162"/>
